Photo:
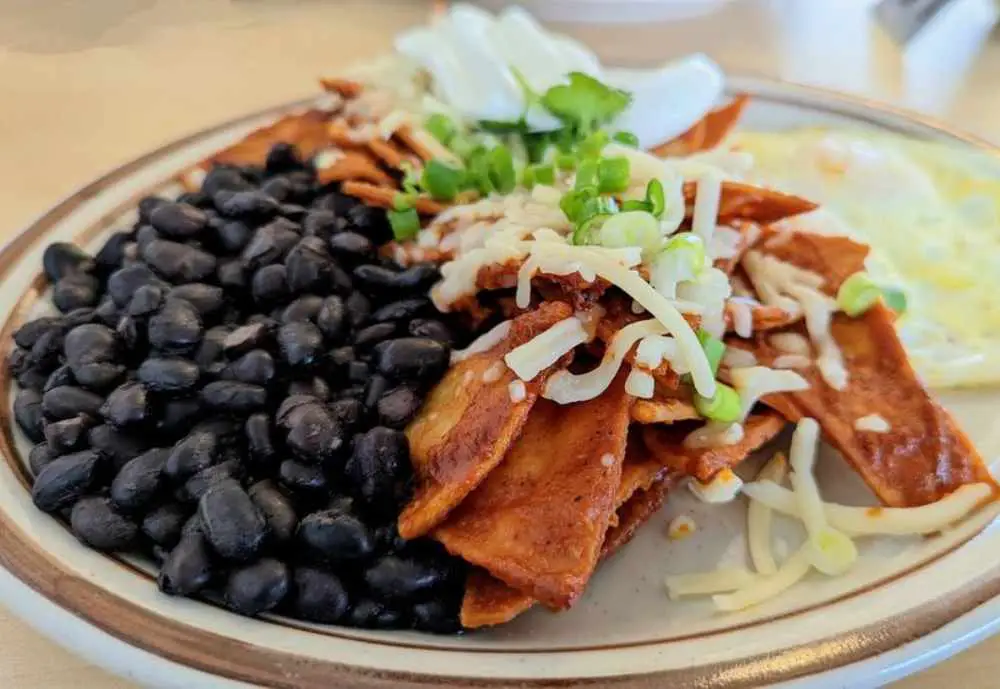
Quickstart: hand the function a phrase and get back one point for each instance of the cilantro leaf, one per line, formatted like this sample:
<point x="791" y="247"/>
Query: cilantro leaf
<point x="585" y="103"/>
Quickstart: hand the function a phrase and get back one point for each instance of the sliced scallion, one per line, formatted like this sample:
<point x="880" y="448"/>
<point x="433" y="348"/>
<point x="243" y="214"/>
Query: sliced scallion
<point x="895" y="299"/>
<point x="405" y="224"/>
<point x="655" y="197"/>
<point x="592" y="209"/>
<point x="587" y="175"/>
<point x="723" y="406"/>
<point x="441" y="181"/>
<point x="441" y="127"/>
<point x="613" y="175"/>
<point x="631" y="228"/>
<point x="857" y="294"/>
<point x="502" y="175"/>
<point x="689" y="249"/>
<point x="566" y="161"/>
<point x="626" y="139"/>
<point x="593" y="144"/>
<point x="714" y="348"/>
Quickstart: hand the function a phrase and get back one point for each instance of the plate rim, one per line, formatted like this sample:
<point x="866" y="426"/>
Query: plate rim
<point x="986" y="591"/>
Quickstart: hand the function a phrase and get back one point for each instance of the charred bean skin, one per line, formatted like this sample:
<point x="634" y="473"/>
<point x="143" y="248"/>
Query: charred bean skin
<point x="234" y="397"/>
<point x="127" y="404"/>
<point x="277" y="509"/>
<point x="140" y="480"/>
<point x="233" y="525"/>
<point x="188" y="568"/>
<point x="28" y="414"/>
<point x="257" y="588"/>
<point x="319" y="596"/>
<point x="64" y="481"/>
<point x="179" y="220"/>
<point x="65" y="402"/>
<point x="168" y="374"/>
<point x="163" y="524"/>
<point x="412" y="358"/>
<point x="95" y="522"/>
<point x="62" y="259"/>
<point x="332" y="536"/>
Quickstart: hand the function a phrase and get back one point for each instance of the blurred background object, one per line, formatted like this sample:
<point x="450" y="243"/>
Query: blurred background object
<point x="613" y="11"/>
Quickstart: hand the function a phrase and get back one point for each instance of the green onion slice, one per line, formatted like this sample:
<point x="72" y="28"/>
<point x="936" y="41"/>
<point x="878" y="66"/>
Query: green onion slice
<point x="636" y="205"/>
<point x="714" y="348"/>
<point x="566" y="161"/>
<point x="689" y="248"/>
<point x="587" y="175"/>
<point x="655" y="197"/>
<point x="590" y="211"/>
<point x="592" y="146"/>
<point x="613" y="175"/>
<point x="631" y="228"/>
<point x="502" y="175"/>
<point x="857" y="294"/>
<point x="404" y="200"/>
<point x="723" y="406"/>
<point x="626" y="139"/>
<point x="405" y="224"/>
<point x="441" y="127"/>
<point x="895" y="299"/>
<point x="442" y="181"/>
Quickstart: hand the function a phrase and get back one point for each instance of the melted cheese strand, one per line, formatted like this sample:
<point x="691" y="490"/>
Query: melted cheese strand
<point x="885" y="521"/>
<point x="704" y="583"/>
<point x="765" y="587"/>
<point x="759" y="519"/>
<point x="531" y="358"/>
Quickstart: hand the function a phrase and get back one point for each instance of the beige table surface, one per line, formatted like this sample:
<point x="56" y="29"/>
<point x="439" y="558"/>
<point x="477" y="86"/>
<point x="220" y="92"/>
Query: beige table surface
<point x="86" y="85"/>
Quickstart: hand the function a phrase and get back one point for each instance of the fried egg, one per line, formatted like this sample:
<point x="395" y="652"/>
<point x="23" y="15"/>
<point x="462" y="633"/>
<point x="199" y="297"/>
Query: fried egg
<point x="930" y="212"/>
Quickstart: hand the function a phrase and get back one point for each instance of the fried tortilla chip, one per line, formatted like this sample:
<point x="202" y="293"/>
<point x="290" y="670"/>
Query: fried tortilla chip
<point x="353" y="165"/>
<point x="342" y="87"/>
<point x="383" y="197"/>
<point x="666" y="443"/>
<point x="468" y="422"/>
<point x="746" y="202"/>
<point x="387" y="151"/>
<point x="538" y="520"/>
<point x="708" y="132"/>
<point x="664" y="410"/>
<point x="305" y="130"/>
<point x="643" y="490"/>
<point x="923" y="456"/>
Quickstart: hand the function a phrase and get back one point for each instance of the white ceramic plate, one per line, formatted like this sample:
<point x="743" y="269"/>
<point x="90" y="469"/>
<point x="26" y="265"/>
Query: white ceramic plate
<point x="908" y="604"/>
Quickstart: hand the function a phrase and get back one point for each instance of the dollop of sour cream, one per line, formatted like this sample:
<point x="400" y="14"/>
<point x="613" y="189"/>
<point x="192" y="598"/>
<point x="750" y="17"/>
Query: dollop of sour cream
<point x="476" y="60"/>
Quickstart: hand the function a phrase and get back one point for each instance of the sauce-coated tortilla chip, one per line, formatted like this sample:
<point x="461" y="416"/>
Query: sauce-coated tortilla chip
<point x="343" y="87"/>
<point x="666" y="410"/>
<point x="762" y="316"/>
<point x="353" y="165"/>
<point x="666" y="443"/>
<point x="643" y="490"/>
<point x="708" y="132"/>
<point x="746" y="202"/>
<point x="538" y="520"/>
<point x="468" y="422"/>
<point x="923" y="456"/>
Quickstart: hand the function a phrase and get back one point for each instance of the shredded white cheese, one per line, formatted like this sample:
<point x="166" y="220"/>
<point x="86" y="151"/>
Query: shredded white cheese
<point x="706" y="583"/>
<point x="757" y="381"/>
<point x="790" y="343"/>
<point x="714" y="434"/>
<point x="640" y="384"/>
<point x="742" y="310"/>
<point x="768" y="586"/>
<point x="872" y="423"/>
<point x="791" y="361"/>
<point x="517" y="391"/>
<point x="706" y="206"/>
<point x="483" y="343"/>
<point x="759" y="519"/>
<point x="738" y="358"/>
<point x="545" y="349"/>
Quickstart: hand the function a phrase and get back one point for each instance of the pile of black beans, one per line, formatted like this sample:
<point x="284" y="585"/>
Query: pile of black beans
<point x="225" y="388"/>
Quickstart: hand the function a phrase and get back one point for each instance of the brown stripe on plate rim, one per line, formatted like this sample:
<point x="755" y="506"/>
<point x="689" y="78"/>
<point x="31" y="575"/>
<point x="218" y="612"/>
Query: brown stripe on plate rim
<point x="246" y="662"/>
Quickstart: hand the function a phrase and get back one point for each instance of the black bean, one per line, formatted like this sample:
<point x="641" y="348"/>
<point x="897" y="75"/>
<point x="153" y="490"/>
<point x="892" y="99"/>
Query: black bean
<point x="223" y="177"/>
<point x="374" y="280"/>
<point x="256" y="366"/>
<point x="146" y="300"/>
<point x="367" y="614"/>
<point x="75" y="291"/>
<point x="416" y="278"/>
<point x="246" y="338"/>
<point x="41" y="455"/>
<point x="234" y="397"/>
<point x="389" y="539"/>
<point x="436" y="616"/>
<point x="258" y="433"/>
<point x="96" y="524"/>
<point x="176" y="328"/>
<point x="300" y="342"/>
<point x="140" y="480"/>
<point x="127" y="404"/>
<point x="196" y="452"/>
<point x="68" y="435"/>
<point x="348" y="413"/>
<point x="371" y="222"/>
<point x="46" y="350"/>
<point x="358" y="309"/>
<point x="315" y="435"/>
<point x="143" y="236"/>
<point x="319" y="223"/>
<point x="368" y="337"/>
<point x="293" y="211"/>
<point x="403" y="310"/>
<point x="308" y="266"/>
<point x="177" y="416"/>
<point x="397" y="578"/>
<point x="177" y="261"/>
<point x="231" y="274"/>
<point x="412" y="358"/>
<point x="131" y="334"/>
<point x="28" y="334"/>
<point x="178" y="219"/>
<point x="281" y="158"/>
<point x="278" y="188"/>
<point x="351" y="246"/>
<point x="234" y="235"/>
<point x="257" y="588"/>
<point x="206" y="299"/>
<point x="162" y="525"/>
<point x="378" y="462"/>
<point x="318" y="596"/>
<point x="168" y="374"/>
<point x="277" y="509"/>
<point x="107" y="312"/>
<point x="300" y="477"/>
<point x="333" y="536"/>
<point x="28" y="414"/>
<point x="188" y="568"/>
<point x="269" y="284"/>
<point x="99" y="376"/>
<point x="353" y="392"/>
<point x="198" y="485"/>
<point x="112" y="253"/>
<point x="148" y="204"/>
<point x="64" y="481"/>
<point x="233" y="525"/>
<point x="315" y="386"/>
<point x="124" y="282"/>
<point x="270" y="243"/>
<point x="212" y="345"/>
<point x="331" y="319"/>
<point x="251" y="203"/>
<point x="116" y="446"/>
<point x="397" y="407"/>
<point x="305" y="308"/>
<point x="68" y="401"/>
<point x="60" y="377"/>
<point x="32" y="378"/>
<point x="375" y="387"/>
<point x="61" y="259"/>
<point x="430" y="328"/>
